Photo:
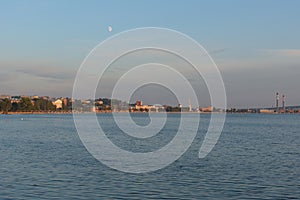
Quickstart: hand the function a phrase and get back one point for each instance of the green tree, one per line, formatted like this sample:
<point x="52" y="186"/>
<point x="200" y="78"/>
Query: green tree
<point x="25" y="105"/>
<point x="43" y="105"/>
<point x="37" y="104"/>
<point x="15" y="107"/>
<point x="5" y="106"/>
<point x="67" y="104"/>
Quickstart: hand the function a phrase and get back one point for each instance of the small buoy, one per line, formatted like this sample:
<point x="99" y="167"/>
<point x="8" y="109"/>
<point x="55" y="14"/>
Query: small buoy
<point x="109" y="29"/>
<point x="22" y="119"/>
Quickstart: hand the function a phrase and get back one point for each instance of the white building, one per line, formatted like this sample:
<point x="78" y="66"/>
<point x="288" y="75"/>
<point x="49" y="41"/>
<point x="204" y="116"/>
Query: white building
<point x="58" y="103"/>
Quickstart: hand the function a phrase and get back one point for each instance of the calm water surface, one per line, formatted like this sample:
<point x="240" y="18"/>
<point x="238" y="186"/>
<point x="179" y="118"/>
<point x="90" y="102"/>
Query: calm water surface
<point x="257" y="157"/>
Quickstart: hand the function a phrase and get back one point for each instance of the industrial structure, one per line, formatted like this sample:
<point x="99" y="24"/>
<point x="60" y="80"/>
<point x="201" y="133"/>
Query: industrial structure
<point x="277" y="102"/>
<point x="282" y="109"/>
<point x="283" y="103"/>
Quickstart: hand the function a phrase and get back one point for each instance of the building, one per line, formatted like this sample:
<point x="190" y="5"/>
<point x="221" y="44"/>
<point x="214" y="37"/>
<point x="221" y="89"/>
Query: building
<point x="5" y="97"/>
<point x="207" y="109"/>
<point x="58" y="103"/>
<point x="266" y="111"/>
<point x="35" y="97"/>
<point x="138" y="106"/>
<point x="16" y="99"/>
<point x="145" y="108"/>
<point x="139" y="103"/>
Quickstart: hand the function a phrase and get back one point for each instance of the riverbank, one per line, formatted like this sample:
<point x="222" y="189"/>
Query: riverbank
<point x="36" y="113"/>
<point x="47" y="112"/>
<point x="103" y="112"/>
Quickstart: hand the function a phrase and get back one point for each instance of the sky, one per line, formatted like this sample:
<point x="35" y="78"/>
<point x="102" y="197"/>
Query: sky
<point x="255" y="44"/>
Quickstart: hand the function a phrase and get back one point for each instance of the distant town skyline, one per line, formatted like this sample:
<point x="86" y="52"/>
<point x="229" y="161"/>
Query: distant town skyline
<point x="255" y="44"/>
<point x="167" y="100"/>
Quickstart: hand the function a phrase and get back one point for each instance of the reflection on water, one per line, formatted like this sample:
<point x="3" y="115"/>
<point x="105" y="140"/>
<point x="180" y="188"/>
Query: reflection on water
<point x="257" y="157"/>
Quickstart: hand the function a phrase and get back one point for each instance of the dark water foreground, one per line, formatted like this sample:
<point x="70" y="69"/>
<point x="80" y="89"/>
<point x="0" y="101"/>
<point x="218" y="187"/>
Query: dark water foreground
<point x="257" y="157"/>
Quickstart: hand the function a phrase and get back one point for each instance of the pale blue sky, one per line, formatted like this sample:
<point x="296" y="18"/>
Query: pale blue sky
<point x="42" y="43"/>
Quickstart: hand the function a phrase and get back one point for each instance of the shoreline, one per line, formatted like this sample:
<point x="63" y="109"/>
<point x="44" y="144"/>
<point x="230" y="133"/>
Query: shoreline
<point x="107" y="112"/>
<point x="36" y="113"/>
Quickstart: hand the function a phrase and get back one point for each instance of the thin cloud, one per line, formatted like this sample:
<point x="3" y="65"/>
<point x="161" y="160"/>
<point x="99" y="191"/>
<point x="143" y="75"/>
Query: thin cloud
<point x="282" y="52"/>
<point x="49" y="73"/>
<point x="216" y="51"/>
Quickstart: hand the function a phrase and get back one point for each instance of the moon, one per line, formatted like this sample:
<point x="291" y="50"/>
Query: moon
<point x="109" y="29"/>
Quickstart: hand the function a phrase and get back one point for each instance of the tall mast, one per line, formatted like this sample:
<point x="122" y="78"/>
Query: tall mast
<point x="277" y="101"/>
<point x="283" y="103"/>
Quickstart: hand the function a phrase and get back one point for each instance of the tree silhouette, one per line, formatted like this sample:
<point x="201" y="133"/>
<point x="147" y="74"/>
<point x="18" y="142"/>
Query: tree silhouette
<point x="5" y="106"/>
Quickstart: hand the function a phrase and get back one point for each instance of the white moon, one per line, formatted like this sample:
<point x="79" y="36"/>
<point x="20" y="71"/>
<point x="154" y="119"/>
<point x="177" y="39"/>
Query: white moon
<point x="109" y="28"/>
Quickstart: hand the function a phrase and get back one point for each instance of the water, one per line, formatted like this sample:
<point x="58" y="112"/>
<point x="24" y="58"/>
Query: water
<point x="257" y="157"/>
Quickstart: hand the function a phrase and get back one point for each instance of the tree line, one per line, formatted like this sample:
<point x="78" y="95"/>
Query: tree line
<point x="27" y="105"/>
